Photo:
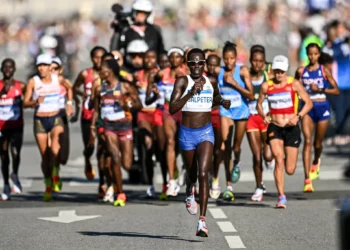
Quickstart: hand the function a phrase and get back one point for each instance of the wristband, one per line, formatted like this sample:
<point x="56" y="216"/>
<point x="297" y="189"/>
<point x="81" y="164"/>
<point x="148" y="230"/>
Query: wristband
<point x="92" y="126"/>
<point x="69" y="103"/>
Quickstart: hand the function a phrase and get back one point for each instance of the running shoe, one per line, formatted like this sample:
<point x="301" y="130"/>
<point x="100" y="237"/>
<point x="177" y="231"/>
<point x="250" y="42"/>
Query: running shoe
<point x="315" y="170"/>
<point x="191" y="204"/>
<point x="109" y="195"/>
<point x="182" y="177"/>
<point x="215" y="190"/>
<point x="202" y="230"/>
<point x="120" y="200"/>
<point x="150" y="192"/>
<point x="308" y="188"/>
<point x="282" y="202"/>
<point x="258" y="195"/>
<point x="101" y="192"/>
<point x="17" y="187"/>
<point x="173" y="188"/>
<point x="56" y="184"/>
<point x="228" y="194"/>
<point x="6" y="193"/>
<point x="89" y="172"/>
<point x="48" y="194"/>
<point x="163" y="196"/>
<point x="236" y="173"/>
<point x="270" y="165"/>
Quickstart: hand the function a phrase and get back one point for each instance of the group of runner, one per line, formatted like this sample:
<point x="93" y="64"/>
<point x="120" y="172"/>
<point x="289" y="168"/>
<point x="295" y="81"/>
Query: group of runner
<point x="178" y="97"/>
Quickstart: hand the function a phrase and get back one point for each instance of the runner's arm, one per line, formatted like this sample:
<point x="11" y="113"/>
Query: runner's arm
<point x="77" y="92"/>
<point x="152" y="88"/>
<point x="304" y="97"/>
<point x="95" y="86"/>
<point x="247" y="79"/>
<point x="334" y="90"/>
<point x="96" y="107"/>
<point x="28" y="102"/>
<point x="68" y="85"/>
<point x="262" y="96"/>
<point x="176" y="102"/>
<point x="135" y="100"/>
<point x="298" y="73"/>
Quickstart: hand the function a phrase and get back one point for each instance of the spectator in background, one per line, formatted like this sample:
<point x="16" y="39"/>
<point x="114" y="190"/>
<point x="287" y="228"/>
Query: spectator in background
<point x="309" y="37"/>
<point x="141" y="29"/>
<point x="339" y="48"/>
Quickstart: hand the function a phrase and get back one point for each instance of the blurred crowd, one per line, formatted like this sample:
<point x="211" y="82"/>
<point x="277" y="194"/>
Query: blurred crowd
<point x="281" y="26"/>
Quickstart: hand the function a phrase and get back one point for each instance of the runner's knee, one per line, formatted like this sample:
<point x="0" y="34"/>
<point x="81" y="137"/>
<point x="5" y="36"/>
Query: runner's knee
<point x="290" y="169"/>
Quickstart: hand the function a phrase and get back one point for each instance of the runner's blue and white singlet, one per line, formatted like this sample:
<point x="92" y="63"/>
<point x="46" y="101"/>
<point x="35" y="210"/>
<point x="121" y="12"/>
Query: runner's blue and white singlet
<point x="239" y="109"/>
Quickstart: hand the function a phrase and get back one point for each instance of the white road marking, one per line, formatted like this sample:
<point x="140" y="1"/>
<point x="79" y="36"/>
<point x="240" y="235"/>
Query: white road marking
<point x="226" y="226"/>
<point x="234" y="242"/>
<point x="81" y="184"/>
<point x="217" y="213"/>
<point x="68" y="216"/>
<point x="211" y="205"/>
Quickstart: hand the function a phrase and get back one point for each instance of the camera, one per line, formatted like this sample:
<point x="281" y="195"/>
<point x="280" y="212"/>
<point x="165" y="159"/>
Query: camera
<point x="122" y="20"/>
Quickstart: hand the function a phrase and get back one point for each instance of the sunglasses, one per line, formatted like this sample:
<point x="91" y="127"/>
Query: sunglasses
<point x="194" y="63"/>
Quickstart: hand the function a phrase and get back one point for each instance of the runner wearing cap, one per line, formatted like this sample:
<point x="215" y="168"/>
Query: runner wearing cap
<point x="86" y="78"/>
<point x="235" y="85"/>
<point x="283" y="132"/>
<point x="43" y="94"/>
<point x="166" y="80"/>
<point x="256" y="128"/>
<point x="135" y="53"/>
<point x="195" y="95"/>
<point x="318" y="82"/>
<point x="11" y="126"/>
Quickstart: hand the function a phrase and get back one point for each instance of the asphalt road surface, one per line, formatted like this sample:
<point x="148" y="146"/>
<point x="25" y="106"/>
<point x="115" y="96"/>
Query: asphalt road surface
<point x="75" y="220"/>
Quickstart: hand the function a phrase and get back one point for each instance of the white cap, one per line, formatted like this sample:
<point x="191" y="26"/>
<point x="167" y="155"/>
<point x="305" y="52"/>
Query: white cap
<point x="137" y="46"/>
<point x="280" y="62"/>
<point x="142" y="5"/>
<point x="44" y="59"/>
<point x="57" y="60"/>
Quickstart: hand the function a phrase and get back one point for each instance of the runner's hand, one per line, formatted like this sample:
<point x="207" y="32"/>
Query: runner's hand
<point x="314" y="87"/>
<point x="226" y="104"/>
<point x="293" y="121"/>
<point x="229" y="79"/>
<point x="75" y="117"/>
<point x="69" y="110"/>
<point x="40" y="99"/>
<point x="92" y="136"/>
<point x="267" y="120"/>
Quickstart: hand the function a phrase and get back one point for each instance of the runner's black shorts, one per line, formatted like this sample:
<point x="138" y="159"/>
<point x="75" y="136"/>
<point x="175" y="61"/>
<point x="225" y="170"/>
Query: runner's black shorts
<point x="291" y="136"/>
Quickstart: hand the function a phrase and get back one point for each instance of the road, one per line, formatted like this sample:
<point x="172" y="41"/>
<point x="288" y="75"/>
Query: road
<point x="309" y="222"/>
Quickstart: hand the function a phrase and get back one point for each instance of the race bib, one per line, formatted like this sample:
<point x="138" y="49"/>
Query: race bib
<point x="62" y="102"/>
<point x="236" y="100"/>
<point x="198" y="102"/>
<point x="280" y="100"/>
<point x="50" y="103"/>
<point x="8" y="113"/>
<point x="254" y="111"/>
<point x="109" y="113"/>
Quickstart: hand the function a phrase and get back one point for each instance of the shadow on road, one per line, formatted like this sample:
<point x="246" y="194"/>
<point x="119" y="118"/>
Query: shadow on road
<point x="135" y="235"/>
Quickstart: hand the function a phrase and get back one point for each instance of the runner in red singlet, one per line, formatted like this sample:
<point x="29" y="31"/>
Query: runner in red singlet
<point x="145" y="120"/>
<point x="283" y="133"/>
<point x="11" y="126"/>
<point x="86" y="78"/>
<point x="163" y="90"/>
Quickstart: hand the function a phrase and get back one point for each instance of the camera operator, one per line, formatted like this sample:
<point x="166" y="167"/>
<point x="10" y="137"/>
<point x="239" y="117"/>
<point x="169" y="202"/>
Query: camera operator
<point x="141" y="29"/>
